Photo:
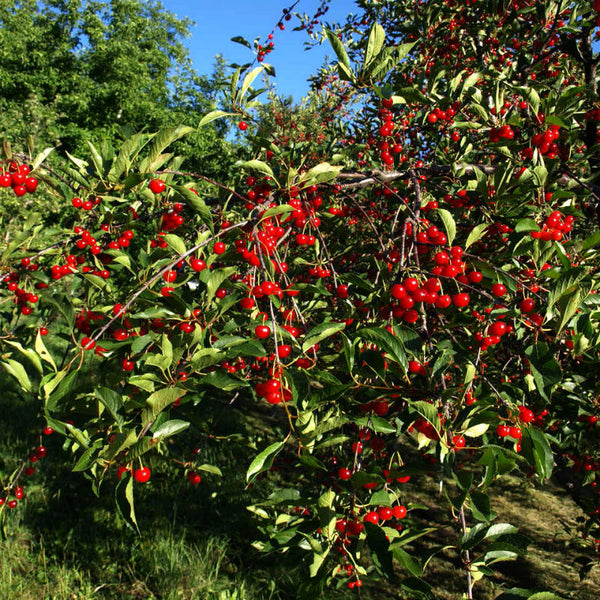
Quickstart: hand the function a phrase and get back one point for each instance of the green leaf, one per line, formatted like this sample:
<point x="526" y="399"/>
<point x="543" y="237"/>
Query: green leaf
<point x="222" y="381"/>
<point x="40" y="158"/>
<point x="197" y="204"/>
<point x="500" y="529"/>
<point x="386" y="342"/>
<point x="536" y="449"/>
<point x="545" y="368"/>
<point x="210" y="469"/>
<point x="418" y="588"/>
<point x="264" y="460"/>
<point x="238" y="39"/>
<point x="380" y="549"/>
<point x="160" y="399"/>
<point x="97" y="159"/>
<point x="213" y="116"/>
<point x="215" y="279"/>
<point x="338" y="48"/>
<point x="374" y="43"/>
<point x="569" y="308"/>
<point x="449" y="224"/>
<point x="428" y="411"/>
<point x="125" y="502"/>
<point x="175" y="242"/>
<point x="320" y="173"/>
<point x="474" y="536"/>
<point x="408" y="561"/>
<point x="42" y="351"/>
<point x="169" y="428"/>
<point x="112" y="401"/>
<point x="17" y="370"/>
<point x="165" y="137"/>
<point x="259" y="166"/>
<point x="476" y="234"/>
<point x="321" y="332"/>
<point x="29" y="354"/>
<point x="248" y="81"/>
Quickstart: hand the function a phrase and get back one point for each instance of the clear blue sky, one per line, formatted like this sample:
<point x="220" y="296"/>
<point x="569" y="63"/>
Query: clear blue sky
<point x="217" y="21"/>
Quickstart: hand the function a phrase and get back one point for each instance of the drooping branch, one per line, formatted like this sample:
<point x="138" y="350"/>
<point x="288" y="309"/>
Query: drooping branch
<point x="358" y="181"/>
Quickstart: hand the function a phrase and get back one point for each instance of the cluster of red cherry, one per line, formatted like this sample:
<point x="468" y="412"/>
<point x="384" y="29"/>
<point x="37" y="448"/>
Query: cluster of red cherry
<point x="17" y="177"/>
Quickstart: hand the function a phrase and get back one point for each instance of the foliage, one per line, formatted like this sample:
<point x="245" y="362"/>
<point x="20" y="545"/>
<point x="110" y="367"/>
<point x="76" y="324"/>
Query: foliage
<point x="75" y="71"/>
<point x="414" y="292"/>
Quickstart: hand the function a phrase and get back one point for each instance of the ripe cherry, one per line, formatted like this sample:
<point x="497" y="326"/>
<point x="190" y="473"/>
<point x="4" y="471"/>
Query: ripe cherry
<point x="142" y="475"/>
<point x="284" y="351"/>
<point x="385" y="513"/>
<point x="461" y="300"/>
<point x="399" y="512"/>
<point x="458" y="441"/>
<point x="197" y="264"/>
<point x="157" y="186"/>
<point x="127" y="365"/>
<point x="247" y="303"/>
<point x="499" y="289"/>
<point x="219" y="248"/>
<point x="371" y="517"/>
<point x="262" y="331"/>
<point x="344" y="474"/>
<point x="242" y="125"/>
<point x="194" y="478"/>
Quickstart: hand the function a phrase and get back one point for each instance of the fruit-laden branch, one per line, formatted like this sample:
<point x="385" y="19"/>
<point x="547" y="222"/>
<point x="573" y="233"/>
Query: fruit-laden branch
<point x="376" y="177"/>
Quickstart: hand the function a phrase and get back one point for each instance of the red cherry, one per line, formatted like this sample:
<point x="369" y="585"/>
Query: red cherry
<point x="284" y="351"/>
<point x="499" y="289"/>
<point x="385" y="513"/>
<point x="157" y="186"/>
<point x="247" y="303"/>
<point x="128" y="365"/>
<point x="242" y="125"/>
<point x="475" y="276"/>
<point x="121" y="471"/>
<point x="515" y="432"/>
<point x="197" y="264"/>
<point x="527" y="305"/>
<point x="194" y="478"/>
<point x="458" y="441"/>
<point x="219" y="248"/>
<point x="498" y="328"/>
<point x="262" y="331"/>
<point x="526" y="414"/>
<point x="398" y="291"/>
<point x="142" y="475"/>
<point x="342" y="291"/>
<point x="461" y="300"/>
<point x="371" y="517"/>
<point x="399" y="512"/>
<point x="87" y="343"/>
<point x="344" y="474"/>
<point x="170" y="276"/>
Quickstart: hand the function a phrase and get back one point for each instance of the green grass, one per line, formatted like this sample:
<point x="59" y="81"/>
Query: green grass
<point x="66" y="544"/>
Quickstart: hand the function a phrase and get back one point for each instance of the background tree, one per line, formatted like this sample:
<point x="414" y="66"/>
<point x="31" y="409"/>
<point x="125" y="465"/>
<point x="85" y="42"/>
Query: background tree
<point x="77" y="71"/>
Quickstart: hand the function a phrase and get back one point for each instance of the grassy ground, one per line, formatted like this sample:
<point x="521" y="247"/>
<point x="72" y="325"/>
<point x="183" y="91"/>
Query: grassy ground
<point x="66" y="544"/>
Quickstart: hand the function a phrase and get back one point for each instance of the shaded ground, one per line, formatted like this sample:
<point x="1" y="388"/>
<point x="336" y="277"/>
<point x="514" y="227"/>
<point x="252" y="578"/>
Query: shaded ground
<point x="65" y="544"/>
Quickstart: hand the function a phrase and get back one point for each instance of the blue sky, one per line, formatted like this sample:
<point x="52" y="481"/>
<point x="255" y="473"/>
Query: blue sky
<point x="217" y="21"/>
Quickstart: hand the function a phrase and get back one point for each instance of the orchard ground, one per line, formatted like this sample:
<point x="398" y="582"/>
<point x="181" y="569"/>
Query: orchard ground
<point x="65" y="545"/>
